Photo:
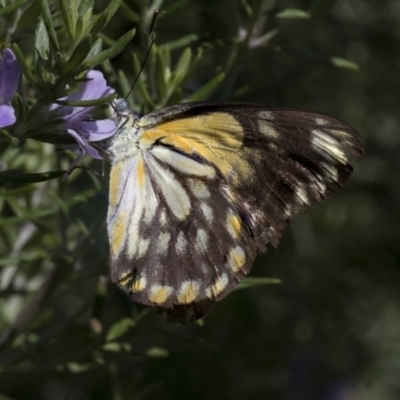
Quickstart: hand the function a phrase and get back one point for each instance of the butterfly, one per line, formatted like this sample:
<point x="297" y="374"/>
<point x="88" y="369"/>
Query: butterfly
<point x="197" y="190"/>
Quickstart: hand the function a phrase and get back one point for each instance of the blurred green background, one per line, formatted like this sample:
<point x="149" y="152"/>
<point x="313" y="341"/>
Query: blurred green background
<point x="329" y="331"/>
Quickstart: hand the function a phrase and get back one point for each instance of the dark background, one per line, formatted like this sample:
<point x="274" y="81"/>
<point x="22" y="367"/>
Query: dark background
<point x="331" y="329"/>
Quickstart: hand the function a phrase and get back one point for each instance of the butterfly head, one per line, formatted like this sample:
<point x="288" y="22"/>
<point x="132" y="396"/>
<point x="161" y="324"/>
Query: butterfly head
<point x="121" y="108"/>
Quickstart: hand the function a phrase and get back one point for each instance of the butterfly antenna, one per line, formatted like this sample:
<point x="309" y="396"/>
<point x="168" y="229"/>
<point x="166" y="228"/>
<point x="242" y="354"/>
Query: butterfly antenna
<point x="151" y="34"/>
<point x="153" y="21"/>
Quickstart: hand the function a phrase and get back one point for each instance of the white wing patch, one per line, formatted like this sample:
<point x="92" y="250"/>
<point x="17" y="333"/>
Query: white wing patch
<point x="172" y="190"/>
<point x="182" y="163"/>
<point x="160" y="293"/>
<point x="207" y="212"/>
<point x="188" y="291"/>
<point x="198" y="189"/>
<point x="163" y="243"/>
<point x="181" y="243"/>
<point x="327" y="145"/>
<point x="218" y="286"/>
<point x="201" y="241"/>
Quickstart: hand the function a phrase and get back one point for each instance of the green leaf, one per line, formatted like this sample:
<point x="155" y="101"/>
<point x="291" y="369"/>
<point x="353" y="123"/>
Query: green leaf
<point x="16" y="191"/>
<point x="7" y="9"/>
<point x="174" y="7"/>
<point x="79" y="55"/>
<point x="95" y="49"/>
<point x="87" y="22"/>
<point x="197" y="58"/>
<point x="87" y="103"/>
<point x="129" y="14"/>
<point x="24" y="256"/>
<point x="76" y="368"/>
<point x="205" y="91"/>
<point x="337" y="62"/>
<point x="101" y="20"/>
<point x="29" y="216"/>
<point x="48" y="20"/>
<point x="85" y="6"/>
<point x="110" y="10"/>
<point x="29" y="15"/>
<point x="184" y="61"/>
<point x="142" y="87"/>
<point x="79" y="28"/>
<point x="42" y="43"/>
<point x="111" y="52"/>
<point x="293" y="13"/>
<point x="68" y="15"/>
<point x="124" y="86"/>
<point x="162" y="70"/>
<point x="184" y="41"/>
<point x="20" y="107"/>
<point x="13" y="176"/>
<point x="251" y="282"/>
<point x="112" y="346"/>
<point x="157" y="352"/>
<point x="119" y="329"/>
<point x="4" y="135"/>
<point x="181" y="68"/>
<point x="340" y="62"/>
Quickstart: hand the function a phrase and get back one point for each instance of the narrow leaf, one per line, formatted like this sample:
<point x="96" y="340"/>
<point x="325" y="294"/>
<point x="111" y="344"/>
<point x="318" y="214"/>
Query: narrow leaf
<point x="79" y="29"/>
<point x="129" y="14"/>
<point x="87" y="103"/>
<point x="157" y="352"/>
<point x="250" y="282"/>
<point x="205" y="91"/>
<point x="79" y="55"/>
<point x="7" y="9"/>
<point x="25" y="67"/>
<point x="343" y="63"/>
<point x="4" y="135"/>
<point x="182" y="67"/>
<point x="48" y="19"/>
<point x="42" y="43"/>
<point x="95" y="49"/>
<point x="85" y="6"/>
<point x="13" y="176"/>
<point x="141" y="85"/>
<point x="111" y="9"/>
<point x="119" y="328"/>
<point x="29" y="15"/>
<point x="184" y="41"/>
<point x="111" y="52"/>
<point x="31" y="255"/>
<point x="293" y="13"/>
<point x="104" y="18"/>
<point x="162" y="71"/>
<point x="68" y="15"/>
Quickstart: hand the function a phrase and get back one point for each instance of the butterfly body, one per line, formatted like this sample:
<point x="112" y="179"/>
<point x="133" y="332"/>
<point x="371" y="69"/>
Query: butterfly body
<point x="198" y="189"/>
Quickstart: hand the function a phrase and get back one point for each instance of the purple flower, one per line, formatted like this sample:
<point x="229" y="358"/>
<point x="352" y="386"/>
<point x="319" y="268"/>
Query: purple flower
<point x="10" y="71"/>
<point x="77" y="119"/>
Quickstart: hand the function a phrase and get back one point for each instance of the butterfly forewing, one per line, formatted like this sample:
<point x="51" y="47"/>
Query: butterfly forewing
<point x="197" y="189"/>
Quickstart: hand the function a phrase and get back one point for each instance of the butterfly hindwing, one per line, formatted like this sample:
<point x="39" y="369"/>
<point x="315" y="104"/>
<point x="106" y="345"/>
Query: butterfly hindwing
<point x="197" y="189"/>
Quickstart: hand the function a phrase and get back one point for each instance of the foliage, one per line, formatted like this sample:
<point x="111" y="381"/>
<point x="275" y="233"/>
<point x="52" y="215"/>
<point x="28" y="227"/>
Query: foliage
<point x="328" y="331"/>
